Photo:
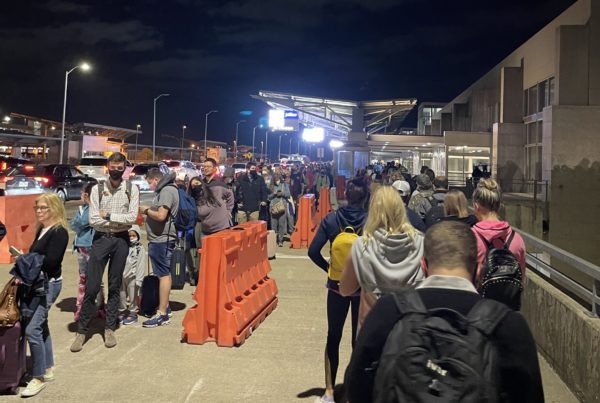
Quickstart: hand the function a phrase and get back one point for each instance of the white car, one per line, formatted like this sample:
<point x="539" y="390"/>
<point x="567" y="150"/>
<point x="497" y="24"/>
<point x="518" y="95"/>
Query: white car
<point x="138" y="174"/>
<point x="185" y="170"/>
<point x="96" y="167"/>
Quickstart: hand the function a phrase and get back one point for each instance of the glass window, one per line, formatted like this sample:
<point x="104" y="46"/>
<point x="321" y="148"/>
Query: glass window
<point x="551" y="91"/>
<point x="542" y="95"/>
<point x="532" y="104"/>
<point x="525" y="102"/>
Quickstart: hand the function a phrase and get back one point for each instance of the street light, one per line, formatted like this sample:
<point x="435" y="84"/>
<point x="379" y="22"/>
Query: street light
<point x="182" y="137"/>
<point x="84" y="67"/>
<point x="137" y="132"/>
<point x="154" y="126"/>
<point x="191" y="151"/>
<point x="205" y="132"/>
<point x="6" y="119"/>
<point x="279" y="152"/>
<point x="266" y="145"/>
<point x="254" y="135"/>
<point x="261" y="150"/>
<point x="237" y="125"/>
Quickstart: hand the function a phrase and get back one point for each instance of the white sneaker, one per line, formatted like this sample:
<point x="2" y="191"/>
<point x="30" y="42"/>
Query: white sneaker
<point x="34" y="387"/>
<point x="324" y="399"/>
<point x="49" y="375"/>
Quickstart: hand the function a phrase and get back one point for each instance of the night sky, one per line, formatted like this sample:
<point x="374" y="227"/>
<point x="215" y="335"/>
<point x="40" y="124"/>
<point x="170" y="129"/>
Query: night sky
<point x="213" y="54"/>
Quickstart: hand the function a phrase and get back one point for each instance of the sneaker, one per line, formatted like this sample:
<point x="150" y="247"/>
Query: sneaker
<point x="130" y="319"/>
<point x="49" y="375"/>
<point x="78" y="343"/>
<point x="157" y="320"/>
<point x="169" y="313"/>
<point x="34" y="387"/>
<point x="109" y="338"/>
<point x="324" y="399"/>
<point x="121" y="317"/>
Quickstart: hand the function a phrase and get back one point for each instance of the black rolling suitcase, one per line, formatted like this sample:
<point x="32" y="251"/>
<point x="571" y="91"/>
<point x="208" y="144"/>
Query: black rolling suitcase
<point x="178" y="266"/>
<point x="149" y="296"/>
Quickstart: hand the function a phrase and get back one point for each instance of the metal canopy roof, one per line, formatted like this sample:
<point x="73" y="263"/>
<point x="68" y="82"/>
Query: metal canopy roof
<point x="116" y="133"/>
<point x="335" y="115"/>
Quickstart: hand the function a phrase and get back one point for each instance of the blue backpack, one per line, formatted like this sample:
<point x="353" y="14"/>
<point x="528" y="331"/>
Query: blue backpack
<point x="187" y="213"/>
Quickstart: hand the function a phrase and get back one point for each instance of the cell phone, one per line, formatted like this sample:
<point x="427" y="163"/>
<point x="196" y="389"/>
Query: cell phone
<point x="14" y="251"/>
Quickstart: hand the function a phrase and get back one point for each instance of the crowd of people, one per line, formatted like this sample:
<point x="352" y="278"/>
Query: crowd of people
<point x="402" y="250"/>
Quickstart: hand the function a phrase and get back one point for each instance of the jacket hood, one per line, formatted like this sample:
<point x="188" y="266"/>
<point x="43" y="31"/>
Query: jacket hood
<point x="352" y="216"/>
<point x="137" y="230"/>
<point x="491" y="230"/>
<point x="388" y="262"/>
<point x="166" y="180"/>
<point x="439" y="195"/>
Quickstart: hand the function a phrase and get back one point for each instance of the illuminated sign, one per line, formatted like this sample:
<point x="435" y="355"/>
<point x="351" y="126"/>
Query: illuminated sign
<point x="283" y="121"/>
<point x="313" y="134"/>
<point x="290" y="115"/>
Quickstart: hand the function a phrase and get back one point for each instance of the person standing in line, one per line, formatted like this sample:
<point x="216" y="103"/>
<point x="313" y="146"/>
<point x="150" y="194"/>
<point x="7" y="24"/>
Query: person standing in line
<point x="162" y="238"/>
<point x="133" y="275"/>
<point x="455" y="208"/>
<point x="353" y="215"/>
<point x="50" y="241"/>
<point x="387" y="257"/>
<point x="280" y="193"/>
<point x="251" y="194"/>
<point x="84" y="234"/>
<point x="113" y="210"/>
<point x="214" y="200"/>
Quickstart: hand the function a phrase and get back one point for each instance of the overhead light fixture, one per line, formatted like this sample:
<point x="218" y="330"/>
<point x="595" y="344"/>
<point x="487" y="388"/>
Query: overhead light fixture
<point x="335" y="144"/>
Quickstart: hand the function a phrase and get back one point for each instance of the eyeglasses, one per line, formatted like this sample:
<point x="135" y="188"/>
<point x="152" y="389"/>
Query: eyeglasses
<point x="116" y="168"/>
<point x="40" y="208"/>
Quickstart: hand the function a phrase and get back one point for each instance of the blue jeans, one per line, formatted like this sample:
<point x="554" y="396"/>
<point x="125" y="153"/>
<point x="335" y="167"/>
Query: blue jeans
<point x="160" y="255"/>
<point x="38" y="333"/>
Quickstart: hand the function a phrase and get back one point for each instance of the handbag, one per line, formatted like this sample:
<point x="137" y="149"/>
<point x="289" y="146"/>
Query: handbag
<point x="9" y="312"/>
<point x="278" y="208"/>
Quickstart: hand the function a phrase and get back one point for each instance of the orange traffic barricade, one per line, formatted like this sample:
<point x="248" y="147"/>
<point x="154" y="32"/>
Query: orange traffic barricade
<point x="234" y="293"/>
<point x="324" y="204"/>
<point x="340" y="186"/>
<point x="18" y="217"/>
<point x="307" y="224"/>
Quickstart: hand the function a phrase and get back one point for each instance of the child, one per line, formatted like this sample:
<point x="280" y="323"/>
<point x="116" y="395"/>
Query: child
<point x="133" y="274"/>
<point x="84" y="234"/>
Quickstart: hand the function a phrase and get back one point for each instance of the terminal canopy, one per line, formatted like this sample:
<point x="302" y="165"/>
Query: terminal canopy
<point x="339" y="117"/>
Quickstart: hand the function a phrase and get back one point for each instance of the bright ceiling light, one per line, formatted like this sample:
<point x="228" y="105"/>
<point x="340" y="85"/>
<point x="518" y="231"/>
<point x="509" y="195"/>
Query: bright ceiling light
<point x="313" y="134"/>
<point x="335" y="144"/>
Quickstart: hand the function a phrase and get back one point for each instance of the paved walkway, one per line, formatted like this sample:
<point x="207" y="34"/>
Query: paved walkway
<point x="281" y="362"/>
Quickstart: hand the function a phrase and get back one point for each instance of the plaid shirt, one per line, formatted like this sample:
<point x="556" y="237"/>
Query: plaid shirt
<point x="123" y="212"/>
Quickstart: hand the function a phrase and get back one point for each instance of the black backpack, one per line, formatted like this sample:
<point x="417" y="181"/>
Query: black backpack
<point x="440" y="355"/>
<point x="501" y="275"/>
<point x="435" y="213"/>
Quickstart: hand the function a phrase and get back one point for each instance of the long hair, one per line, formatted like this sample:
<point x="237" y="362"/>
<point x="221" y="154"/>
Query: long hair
<point x="387" y="212"/>
<point x="275" y="177"/>
<point x="455" y="204"/>
<point x="56" y="208"/>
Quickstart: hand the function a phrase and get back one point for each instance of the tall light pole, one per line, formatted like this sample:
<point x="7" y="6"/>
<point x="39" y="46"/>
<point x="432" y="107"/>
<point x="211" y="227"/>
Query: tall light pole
<point x="137" y="132"/>
<point x="279" y="152"/>
<point x="237" y="126"/>
<point x="205" y="132"/>
<point x="154" y="126"/>
<point x="84" y="67"/>
<point x="261" y="150"/>
<point x="290" y="150"/>
<point x="266" y="145"/>
<point x="191" y="151"/>
<point x="182" y="137"/>
<point x="254" y="136"/>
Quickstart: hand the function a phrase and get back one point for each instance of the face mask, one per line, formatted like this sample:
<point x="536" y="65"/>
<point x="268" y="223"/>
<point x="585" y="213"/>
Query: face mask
<point x="133" y="241"/>
<point x="277" y="182"/>
<point x="196" y="191"/>
<point x="115" y="174"/>
<point x="253" y="174"/>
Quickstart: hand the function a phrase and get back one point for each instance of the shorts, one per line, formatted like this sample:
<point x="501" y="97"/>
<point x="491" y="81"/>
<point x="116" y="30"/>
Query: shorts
<point x="160" y="255"/>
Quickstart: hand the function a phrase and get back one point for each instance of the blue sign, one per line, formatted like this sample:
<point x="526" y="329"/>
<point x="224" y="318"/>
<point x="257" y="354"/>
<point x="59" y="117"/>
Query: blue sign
<point x="290" y="115"/>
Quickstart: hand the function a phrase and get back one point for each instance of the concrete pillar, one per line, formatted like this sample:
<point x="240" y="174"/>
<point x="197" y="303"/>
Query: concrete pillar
<point x="358" y="120"/>
<point x="572" y="67"/>
<point x="508" y="162"/>
<point x="511" y="95"/>
<point x="594" y="54"/>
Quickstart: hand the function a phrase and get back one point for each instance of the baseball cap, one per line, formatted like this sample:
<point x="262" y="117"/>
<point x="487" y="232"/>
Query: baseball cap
<point x="402" y="186"/>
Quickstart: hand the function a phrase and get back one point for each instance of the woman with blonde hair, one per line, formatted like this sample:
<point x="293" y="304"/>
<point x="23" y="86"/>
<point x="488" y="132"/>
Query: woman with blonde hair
<point x="455" y="208"/>
<point x="487" y="201"/>
<point x="387" y="257"/>
<point x="50" y="241"/>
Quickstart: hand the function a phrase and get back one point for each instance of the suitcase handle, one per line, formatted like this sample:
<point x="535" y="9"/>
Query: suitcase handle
<point x="2" y="357"/>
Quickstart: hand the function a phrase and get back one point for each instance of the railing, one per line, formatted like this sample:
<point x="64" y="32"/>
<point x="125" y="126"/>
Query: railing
<point x="537" y="189"/>
<point x="590" y="296"/>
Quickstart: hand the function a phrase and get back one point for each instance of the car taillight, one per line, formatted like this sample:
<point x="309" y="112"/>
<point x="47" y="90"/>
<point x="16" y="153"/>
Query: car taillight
<point x="41" y="179"/>
<point x="6" y="179"/>
<point x="105" y="170"/>
<point x="4" y="166"/>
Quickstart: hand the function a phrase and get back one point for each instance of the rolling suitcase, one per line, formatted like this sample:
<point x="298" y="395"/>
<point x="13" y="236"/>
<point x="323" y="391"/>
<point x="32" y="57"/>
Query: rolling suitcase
<point x="271" y="244"/>
<point x="178" y="266"/>
<point x="149" y="297"/>
<point x="12" y="358"/>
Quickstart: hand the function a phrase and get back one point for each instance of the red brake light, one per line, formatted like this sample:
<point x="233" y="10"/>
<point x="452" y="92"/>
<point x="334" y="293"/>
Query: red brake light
<point x="41" y="179"/>
<point x="28" y="167"/>
<point x="4" y="166"/>
<point x="7" y="178"/>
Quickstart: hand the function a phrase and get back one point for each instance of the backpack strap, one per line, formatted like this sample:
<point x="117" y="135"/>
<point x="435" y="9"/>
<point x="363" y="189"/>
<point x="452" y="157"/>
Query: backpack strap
<point x="408" y="301"/>
<point x="485" y="241"/>
<point x="128" y="190"/>
<point x="509" y="240"/>
<point x="100" y="192"/>
<point x="487" y="314"/>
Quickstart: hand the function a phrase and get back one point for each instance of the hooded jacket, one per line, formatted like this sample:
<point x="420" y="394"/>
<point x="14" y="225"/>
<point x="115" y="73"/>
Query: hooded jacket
<point x="216" y="217"/>
<point x="84" y="233"/>
<point x="330" y="227"/>
<point x="251" y="192"/>
<point x="496" y="233"/>
<point x="385" y="263"/>
<point x="135" y="266"/>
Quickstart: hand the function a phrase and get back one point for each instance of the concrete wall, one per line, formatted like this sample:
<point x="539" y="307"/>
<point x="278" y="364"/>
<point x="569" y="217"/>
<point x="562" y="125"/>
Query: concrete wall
<point x="566" y="336"/>
<point x="572" y="65"/>
<point x="507" y="152"/>
<point x="511" y="96"/>
<point x="594" y="55"/>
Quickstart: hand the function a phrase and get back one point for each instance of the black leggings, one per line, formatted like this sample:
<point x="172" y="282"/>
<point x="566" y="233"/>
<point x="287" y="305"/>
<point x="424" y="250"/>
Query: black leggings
<point x="337" y="310"/>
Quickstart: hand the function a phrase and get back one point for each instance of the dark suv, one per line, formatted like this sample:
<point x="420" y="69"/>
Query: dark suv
<point x="66" y="180"/>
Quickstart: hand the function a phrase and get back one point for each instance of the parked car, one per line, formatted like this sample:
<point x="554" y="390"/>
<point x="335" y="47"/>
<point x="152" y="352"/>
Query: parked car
<point x="64" y="179"/>
<point x="96" y="167"/>
<point x="7" y="162"/>
<point x="185" y="170"/>
<point x="13" y="183"/>
<point x="138" y="174"/>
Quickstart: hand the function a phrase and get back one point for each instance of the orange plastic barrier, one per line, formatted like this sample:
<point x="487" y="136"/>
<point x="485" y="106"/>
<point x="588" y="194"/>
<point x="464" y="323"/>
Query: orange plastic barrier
<point x="17" y="215"/>
<point x="340" y="186"/>
<point x="234" y="294"/>
<point x="324" y="207"/>
<point x="307" y="224"/>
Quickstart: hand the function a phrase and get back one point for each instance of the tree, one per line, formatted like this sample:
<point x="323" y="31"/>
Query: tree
<point x="145" y="154"/>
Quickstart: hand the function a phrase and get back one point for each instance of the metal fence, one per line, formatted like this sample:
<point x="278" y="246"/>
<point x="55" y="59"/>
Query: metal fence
<point x="537" y="247"/>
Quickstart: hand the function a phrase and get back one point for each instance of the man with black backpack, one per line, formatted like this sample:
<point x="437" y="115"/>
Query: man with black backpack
<point x="436" y="212"/>
<point x="443" y="342"/>
<point x="162" y="237"/>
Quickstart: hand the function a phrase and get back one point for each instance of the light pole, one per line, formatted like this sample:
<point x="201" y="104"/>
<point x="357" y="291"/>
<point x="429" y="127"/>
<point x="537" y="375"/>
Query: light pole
<point x="237" y="126"/>
<point x="84" y="67"/>
<point x="279" y="152"/>
<point x="206" y="131"/>
<point x="154" y="126"/>
<point x="191" y="151"/>
<point x="253" y="137"/>
<point x="266" y="145"/>
<point x="290" y="150"/>
<point x="182" y="137"/>
<point x="298" y="140"/>
<point x="137" y="132"/>
<point x="261" y="150"/>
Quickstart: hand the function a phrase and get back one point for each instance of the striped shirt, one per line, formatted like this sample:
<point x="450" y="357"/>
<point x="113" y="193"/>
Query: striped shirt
<point x="123" y="212"/>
